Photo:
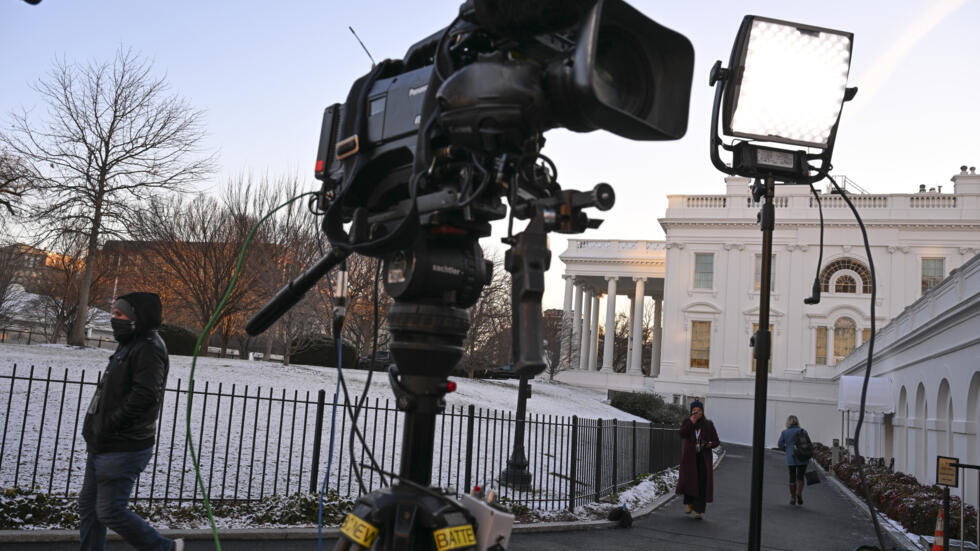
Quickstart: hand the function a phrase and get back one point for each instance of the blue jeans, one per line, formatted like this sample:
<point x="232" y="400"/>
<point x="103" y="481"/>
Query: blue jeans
<point x="104" y="502"/>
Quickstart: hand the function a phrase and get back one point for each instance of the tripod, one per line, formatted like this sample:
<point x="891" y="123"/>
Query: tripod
<point x="432" y="284"/>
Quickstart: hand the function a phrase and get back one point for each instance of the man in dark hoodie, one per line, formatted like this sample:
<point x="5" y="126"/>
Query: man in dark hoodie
<point x="120" y="427"/>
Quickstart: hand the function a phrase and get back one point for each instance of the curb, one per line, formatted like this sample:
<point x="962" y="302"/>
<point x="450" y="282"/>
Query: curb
<point x="238" y="534"/>
<point x="896" y="536"/>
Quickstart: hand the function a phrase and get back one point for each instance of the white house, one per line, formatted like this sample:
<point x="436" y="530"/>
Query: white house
<point x="705" y="274"/>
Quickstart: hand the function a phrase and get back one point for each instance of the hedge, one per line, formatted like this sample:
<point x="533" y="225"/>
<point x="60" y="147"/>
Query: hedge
<point x="323" y="352"/>
<point x="901" y="497"/>
<point x="649" y="406"/>
<point x="179" y="340"/>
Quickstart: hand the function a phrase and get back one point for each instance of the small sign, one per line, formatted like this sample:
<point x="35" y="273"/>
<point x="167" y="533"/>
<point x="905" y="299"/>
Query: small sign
<point x="946" y="473"/>
<point x="359" y="531"/>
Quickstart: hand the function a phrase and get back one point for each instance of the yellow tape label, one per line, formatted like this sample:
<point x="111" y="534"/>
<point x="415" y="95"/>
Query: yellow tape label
<point x="454" y="537"/>
<point x="359" y="531"/>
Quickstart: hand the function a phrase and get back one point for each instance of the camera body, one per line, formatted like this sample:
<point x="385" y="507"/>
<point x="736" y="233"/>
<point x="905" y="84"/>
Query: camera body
<point x="467" y="107"/>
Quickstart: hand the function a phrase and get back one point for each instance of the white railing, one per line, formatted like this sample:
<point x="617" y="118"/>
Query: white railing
<point x="932" y="201"/>
<point x="706" y="202"/>
<point x="777" y="201"/>
<point x="860" y="201"/>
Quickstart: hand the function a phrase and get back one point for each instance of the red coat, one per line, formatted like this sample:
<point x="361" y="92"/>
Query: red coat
<point x="687" y="482"/>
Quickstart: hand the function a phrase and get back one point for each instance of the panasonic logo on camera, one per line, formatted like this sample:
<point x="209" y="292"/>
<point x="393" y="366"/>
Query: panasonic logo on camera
<point x="417" y="91"/>
<point x="446" y="269"/>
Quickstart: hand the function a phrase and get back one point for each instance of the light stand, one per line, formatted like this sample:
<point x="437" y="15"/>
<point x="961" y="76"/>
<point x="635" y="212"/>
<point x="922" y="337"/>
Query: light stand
<point x="762" y="343"/>
<point x="527" y="260"/>
<point x="764" y="120"/>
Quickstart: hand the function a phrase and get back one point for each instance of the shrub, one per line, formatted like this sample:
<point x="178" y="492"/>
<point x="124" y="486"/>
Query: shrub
<point x="649" y="406"/>
<point x="179" y="340"/>
<point x="321" y="350"/>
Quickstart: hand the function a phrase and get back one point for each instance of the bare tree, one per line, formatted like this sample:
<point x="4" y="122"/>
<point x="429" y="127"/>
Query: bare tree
<point x="13" y="182"/>
<point x="488" y="343"/>
<point x="113" y="137"/>
<point x="189" y="249"/>
<point x="59" y="285"/>
<point x="11" y="260"/>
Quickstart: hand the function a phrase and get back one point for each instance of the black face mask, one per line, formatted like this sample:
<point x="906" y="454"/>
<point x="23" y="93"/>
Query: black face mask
<point x="122" y="329"/>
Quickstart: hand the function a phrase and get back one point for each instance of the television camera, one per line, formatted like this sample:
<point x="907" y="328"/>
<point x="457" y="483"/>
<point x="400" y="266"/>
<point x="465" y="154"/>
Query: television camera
<point x="418" y="161"/>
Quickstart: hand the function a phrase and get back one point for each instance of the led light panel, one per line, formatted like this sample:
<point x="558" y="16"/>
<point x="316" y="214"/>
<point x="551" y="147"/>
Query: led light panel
<point x="791" y="85"/>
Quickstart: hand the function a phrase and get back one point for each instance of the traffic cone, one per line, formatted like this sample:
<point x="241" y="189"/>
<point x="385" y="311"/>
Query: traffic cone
<point x="939" y="539"/>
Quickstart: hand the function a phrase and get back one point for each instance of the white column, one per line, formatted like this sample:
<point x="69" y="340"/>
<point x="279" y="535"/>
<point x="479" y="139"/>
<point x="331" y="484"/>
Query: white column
<point x="566" y="324"/>
<point x="594" y="339"/>
<point x="637" y="358"/>
<point x="629" y="337"/>
<point x="573" y="346"/>
<point x="583" y="362"/>
<point x="607" y="347"/>
<point x="657" y="338"/>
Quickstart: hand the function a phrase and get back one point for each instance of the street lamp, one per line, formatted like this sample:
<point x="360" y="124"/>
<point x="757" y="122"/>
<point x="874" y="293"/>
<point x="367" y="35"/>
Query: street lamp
<point x="786" y="84"/>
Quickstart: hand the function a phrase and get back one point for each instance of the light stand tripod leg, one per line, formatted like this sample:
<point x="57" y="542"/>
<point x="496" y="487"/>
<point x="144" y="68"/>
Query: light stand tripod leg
<point x="762" y="341"/>
<point x="527" y="260"/>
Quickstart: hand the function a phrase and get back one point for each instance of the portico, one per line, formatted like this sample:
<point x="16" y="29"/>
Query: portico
<point x="597" y="275"/>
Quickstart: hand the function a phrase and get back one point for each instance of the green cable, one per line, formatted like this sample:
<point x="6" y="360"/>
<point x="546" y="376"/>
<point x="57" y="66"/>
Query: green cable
<point x="197" y="348"/>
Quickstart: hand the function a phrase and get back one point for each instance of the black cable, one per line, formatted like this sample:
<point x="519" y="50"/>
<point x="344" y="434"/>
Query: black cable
<point x="483" y="184"/>
<point x="367" y="385"/>
<point x="867" y="372"/>
<point x="815" y="292"/>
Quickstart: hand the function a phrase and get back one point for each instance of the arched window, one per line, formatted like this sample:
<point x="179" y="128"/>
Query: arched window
<point x="845" y="264"/>
<point x="845" y="284"/>
<point x="844" y="333"/>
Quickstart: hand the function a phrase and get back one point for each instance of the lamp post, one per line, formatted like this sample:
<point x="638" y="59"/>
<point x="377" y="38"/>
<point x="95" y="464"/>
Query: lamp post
<point x="516" y="475"/>
<point x="786" y="84"/>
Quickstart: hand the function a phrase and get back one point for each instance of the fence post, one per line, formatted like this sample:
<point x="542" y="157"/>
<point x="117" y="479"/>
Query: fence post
<point x="598" y="458"/>
<point x="573" y="480"/>
<point x="30" y="332"/>
<point x="615" y="456"/>
<point x="634" y="449"/>
<point x="653" y="448"/>
<point x="467" y="487"/>
<point x="317" y="437"/>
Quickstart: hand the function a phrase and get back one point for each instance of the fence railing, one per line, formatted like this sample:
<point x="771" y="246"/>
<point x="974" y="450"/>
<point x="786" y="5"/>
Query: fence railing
<point x="253" y="442"/>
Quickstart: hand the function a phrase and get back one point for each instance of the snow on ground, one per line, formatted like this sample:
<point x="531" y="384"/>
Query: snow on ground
<point x="547" y="397"/>
<point x="262" y="444"/>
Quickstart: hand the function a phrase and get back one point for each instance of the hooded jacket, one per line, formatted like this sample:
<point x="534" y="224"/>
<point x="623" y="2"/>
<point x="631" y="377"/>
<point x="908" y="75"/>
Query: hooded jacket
<point x="123" y="412"/>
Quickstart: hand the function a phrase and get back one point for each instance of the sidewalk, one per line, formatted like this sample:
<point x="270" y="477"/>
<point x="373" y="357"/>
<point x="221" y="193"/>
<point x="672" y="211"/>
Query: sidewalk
<point x="828" y="521"/>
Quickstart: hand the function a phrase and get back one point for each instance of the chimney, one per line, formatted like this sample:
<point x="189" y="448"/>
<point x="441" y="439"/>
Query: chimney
<point x="922" y="188"/>
<point x="939" y="189"/>
<point x="966" y="183"/>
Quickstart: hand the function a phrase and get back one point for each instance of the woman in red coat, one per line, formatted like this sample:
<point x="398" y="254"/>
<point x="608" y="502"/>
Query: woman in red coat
<point x="695" y="480"/>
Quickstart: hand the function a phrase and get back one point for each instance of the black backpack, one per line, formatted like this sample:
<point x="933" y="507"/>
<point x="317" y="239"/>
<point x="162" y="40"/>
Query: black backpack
<point x="802" y="446"/>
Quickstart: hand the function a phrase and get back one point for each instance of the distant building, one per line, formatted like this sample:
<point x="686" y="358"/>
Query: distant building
<point x="704" y="279"/>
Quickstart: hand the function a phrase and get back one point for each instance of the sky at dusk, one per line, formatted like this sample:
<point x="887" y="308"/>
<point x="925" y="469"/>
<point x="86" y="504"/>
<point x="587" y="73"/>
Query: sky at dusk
<point x="264" y="71"/>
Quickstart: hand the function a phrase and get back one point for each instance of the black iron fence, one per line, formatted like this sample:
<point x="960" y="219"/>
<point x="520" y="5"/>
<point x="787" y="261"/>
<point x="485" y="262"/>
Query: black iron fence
<point x="253" y="442"/>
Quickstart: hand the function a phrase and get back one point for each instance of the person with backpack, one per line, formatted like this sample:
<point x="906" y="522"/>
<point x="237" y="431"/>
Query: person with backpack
<point x="799" y="449"/>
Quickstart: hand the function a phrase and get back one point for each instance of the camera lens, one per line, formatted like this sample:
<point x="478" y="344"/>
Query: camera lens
<point x="624" y="79"/>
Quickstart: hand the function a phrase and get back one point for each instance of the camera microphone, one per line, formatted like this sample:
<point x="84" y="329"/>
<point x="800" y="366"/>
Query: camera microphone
<point x="523" y="18"/>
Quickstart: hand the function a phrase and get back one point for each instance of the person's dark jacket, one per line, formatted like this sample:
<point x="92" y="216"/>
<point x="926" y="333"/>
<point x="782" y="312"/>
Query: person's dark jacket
<point x="123" y="413"/>
<point x="687" y="480"/>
